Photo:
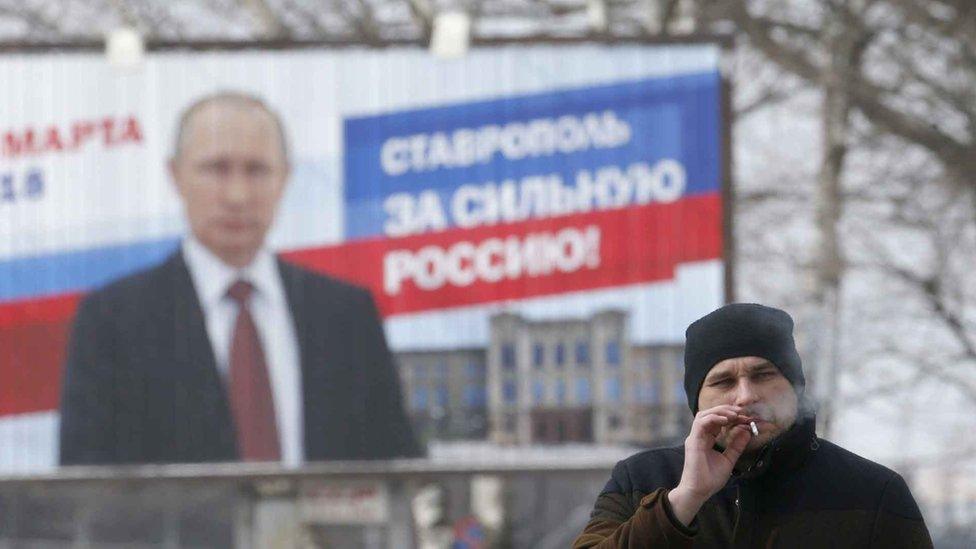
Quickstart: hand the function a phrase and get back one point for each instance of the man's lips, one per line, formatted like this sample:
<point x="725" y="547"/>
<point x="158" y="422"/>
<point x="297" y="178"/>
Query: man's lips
<point x="745" y="420"/>
<point x="235" y="224"/>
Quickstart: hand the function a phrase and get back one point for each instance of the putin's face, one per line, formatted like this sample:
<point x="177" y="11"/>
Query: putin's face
<point x="760" y="388"/>
<point x="230" y="172"/>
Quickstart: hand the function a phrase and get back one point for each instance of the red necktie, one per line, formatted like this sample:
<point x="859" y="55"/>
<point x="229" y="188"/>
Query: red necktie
<point x="251" y="401"/>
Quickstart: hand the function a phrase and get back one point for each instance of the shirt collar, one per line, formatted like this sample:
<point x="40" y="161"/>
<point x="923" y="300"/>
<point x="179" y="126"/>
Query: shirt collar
<point x="212" y="277"/>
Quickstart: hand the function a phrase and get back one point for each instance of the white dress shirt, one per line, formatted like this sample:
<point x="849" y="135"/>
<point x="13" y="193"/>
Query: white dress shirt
<point x="269" y="308"/>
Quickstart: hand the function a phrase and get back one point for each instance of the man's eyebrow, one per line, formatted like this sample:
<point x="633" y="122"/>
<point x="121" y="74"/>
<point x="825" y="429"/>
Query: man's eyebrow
<point x="761" y="366"/>
<point x="717" y="376"/>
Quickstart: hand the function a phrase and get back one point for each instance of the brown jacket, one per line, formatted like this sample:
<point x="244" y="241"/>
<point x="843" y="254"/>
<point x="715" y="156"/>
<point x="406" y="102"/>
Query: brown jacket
<point x="802" y="492"/>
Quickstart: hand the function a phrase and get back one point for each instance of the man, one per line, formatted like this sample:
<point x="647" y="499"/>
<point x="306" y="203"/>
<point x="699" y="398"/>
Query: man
<point x="730" y="488"/>
<point x="224" y="352"/>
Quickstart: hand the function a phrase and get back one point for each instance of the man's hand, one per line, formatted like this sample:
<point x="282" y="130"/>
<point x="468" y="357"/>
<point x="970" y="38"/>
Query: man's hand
<point x="706" y="470"/>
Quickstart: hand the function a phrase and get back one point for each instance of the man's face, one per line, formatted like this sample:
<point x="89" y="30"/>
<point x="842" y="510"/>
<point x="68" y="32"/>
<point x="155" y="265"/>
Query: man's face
<point x="230" y="172"/>
<point x="758" y="386"/>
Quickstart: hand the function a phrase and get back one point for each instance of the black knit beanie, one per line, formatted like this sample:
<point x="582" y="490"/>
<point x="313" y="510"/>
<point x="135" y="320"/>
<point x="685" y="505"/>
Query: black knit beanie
<point x="738" y="330"/>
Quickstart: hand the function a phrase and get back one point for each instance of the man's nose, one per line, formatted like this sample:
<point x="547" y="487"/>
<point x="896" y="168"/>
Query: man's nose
<point x="236" y="188"/>
<point x="745" y="393"/>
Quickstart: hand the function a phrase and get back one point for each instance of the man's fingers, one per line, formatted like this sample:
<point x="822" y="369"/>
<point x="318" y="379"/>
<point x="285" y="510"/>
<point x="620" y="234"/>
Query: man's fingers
<point x="710" y="421"/>
<point x="737" y="443"/>
<point x="719" y="417"/>
<point x="710" y="425"/>
<point x="732" y="412"/>
<point x="722" y="409"/>
<point x="720" y="413"/>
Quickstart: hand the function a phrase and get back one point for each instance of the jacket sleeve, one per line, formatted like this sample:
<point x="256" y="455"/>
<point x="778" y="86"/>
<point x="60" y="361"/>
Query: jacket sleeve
<point x="389" y="432"/>
<point x="898" y="522"/>
<point x="617" y="522"/>
<point x="87" y="408"/>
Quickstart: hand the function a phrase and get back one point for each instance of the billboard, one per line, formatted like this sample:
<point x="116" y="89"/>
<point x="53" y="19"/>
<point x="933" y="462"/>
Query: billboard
<point x="536" y="225"/>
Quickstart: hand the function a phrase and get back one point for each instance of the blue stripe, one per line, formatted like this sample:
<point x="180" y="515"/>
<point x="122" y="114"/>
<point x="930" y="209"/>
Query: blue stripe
<point x="675" y="117"/>
<point x="69" y="272"/>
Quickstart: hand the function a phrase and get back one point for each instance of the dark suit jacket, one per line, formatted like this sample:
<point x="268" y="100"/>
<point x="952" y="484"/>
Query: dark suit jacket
<point x="141" y="384"/>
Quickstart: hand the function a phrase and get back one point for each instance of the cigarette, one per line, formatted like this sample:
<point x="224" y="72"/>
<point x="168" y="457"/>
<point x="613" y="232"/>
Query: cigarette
<point x="755" y="430"/>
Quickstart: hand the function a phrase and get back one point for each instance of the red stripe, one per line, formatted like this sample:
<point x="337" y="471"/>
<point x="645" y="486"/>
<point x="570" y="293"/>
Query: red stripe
<point x="30" y="366"/>
<point x="49" y="309"/>
<point x="637" y="244"/>
<point x="33" y="337"/>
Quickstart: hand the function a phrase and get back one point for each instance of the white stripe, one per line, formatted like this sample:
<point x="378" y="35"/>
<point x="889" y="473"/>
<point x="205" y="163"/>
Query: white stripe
<point x="29" y="442"/>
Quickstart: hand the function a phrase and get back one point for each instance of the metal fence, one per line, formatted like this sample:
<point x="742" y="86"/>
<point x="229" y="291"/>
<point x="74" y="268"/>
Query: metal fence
<point x="432" y="503"/>
<point x="404" y="503"/>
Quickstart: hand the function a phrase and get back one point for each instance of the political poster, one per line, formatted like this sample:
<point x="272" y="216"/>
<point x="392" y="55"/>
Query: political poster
<point x="536" y="224"/>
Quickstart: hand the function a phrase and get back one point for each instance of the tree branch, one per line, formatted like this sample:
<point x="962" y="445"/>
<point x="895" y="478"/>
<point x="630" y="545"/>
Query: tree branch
<point x="865" y="96"/>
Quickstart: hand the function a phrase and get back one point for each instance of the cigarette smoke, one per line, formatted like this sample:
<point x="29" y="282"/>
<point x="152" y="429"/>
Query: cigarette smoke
<point x="806" y="407"/>
<point x="772" y="412"/>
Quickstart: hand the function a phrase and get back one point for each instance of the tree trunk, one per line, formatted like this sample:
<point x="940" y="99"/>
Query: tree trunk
<point x="829" y="208"/>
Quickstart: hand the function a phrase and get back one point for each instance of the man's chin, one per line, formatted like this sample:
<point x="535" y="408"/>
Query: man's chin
<point x="755" y="444"/>
<point x="236" y="251"/>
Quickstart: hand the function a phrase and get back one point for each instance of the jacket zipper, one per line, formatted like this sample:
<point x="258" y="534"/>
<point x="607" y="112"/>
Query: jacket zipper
<point x="738" y="513"/>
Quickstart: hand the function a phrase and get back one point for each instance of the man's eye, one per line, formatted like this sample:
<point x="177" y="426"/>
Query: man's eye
<point x="215" y="167"/>
<point x="258" y="170"/>
<point x="720" y="383"/>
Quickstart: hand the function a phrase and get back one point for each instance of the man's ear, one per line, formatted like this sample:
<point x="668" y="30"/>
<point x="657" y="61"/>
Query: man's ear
<point x="175" y="177"/>
<point x="285" y="178"/>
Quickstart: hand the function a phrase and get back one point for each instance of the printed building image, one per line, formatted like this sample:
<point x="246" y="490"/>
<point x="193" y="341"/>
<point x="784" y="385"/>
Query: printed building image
<point x="658" y="410"/>
<point x="445" y="392"/>
<point x="549" y="382"/>
<point x="581" y="380"/>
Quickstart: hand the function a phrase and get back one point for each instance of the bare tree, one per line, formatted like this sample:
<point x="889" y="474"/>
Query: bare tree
<point x="906" y="68"/>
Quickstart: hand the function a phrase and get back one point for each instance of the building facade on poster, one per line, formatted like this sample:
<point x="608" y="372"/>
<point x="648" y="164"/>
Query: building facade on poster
<point x="549" y="382"/>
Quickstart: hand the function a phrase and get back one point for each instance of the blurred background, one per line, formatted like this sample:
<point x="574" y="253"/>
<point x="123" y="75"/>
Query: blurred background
<point x="835" y="139"/>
